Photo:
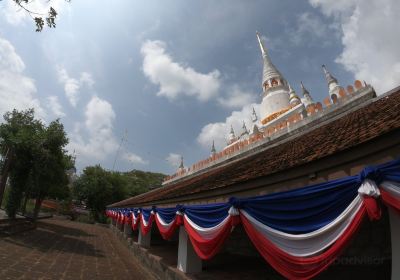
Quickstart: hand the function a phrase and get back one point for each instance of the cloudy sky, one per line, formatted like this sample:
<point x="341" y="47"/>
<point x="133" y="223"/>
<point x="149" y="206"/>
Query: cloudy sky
<point x="169" y="77"/>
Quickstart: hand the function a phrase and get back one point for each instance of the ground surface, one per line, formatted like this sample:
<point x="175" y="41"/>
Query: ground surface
<point x="61" y="249"/>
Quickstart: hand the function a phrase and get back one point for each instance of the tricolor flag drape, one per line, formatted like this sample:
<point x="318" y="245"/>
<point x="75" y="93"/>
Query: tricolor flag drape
<point x="299" y="232"/>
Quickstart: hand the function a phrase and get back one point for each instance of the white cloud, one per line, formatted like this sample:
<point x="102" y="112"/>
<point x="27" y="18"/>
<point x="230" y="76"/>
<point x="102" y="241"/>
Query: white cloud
<point x="175" y="79"/>
<point x="72" y="85"/>
<point x="54" y="106"/>
<point x="311" y="29"/>
<point x="17" y="91"/>
<point x="369" y="38"/>
<point x="218" y="132"/>
<point x="86" y="79"/>
<point x="15" y="15"/>
<point x="100" y="142"/>
<point x="335" y="7"/>
<point x="94" y="140"/>
<point x="99" y="115"/>
<point x="135" y="159"/>
<point x="174" y="160"/>
<point x="236" y="98"/>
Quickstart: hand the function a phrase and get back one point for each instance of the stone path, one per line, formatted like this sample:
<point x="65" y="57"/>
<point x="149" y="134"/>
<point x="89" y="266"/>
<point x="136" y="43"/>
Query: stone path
<point x="61" y="249"/>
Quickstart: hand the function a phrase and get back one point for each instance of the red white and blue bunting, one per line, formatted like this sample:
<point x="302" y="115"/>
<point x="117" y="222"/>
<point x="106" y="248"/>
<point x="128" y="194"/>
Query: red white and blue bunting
<point x="299" y="232"/>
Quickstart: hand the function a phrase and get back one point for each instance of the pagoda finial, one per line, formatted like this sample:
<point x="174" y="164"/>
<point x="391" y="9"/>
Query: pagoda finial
<point x="333" y="84"/>
<point x="305" y="91"/>
<point x="325" y="70"/>
<point x="213" y="150"/>
<point x="245" y="131"/>
<point x="293" y="98"/>
<point x="181" y="165"/>
<point x="232" y="136"/>
<point x="328" y="76"/>
<point x="269" y="70"/>
<point x="260" y="42"/>
<point x="254" y="117"/>
<point x="307" y="99"/>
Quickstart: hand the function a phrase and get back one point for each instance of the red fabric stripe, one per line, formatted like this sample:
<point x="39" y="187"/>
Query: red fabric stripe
<point x="146" y="229"/>
<point x="301" y="267"/>
<point x="372" y="207"/>
<point x="390" y="199"/>
<point x="206" y="249"/>
<point x="168" y="233"/>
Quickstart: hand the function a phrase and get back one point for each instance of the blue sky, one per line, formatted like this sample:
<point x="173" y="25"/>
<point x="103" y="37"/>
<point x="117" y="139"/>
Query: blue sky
<point x="176" y="74"/>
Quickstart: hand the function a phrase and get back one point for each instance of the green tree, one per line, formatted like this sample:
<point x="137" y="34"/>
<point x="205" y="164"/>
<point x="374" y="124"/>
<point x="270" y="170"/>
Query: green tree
<point x="139" y="182"/>
<point x="18" y="135"/>
<point x="38" y="159"/>
<point x="99" y="188"/>
<point x="50" y="164"/>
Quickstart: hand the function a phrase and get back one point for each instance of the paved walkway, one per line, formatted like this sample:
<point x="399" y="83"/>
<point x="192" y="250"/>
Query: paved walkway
<point x="61" y="249"/>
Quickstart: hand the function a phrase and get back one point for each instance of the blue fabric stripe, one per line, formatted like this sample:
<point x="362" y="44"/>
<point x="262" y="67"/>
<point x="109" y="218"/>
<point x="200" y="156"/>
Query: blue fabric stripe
<point x="167" y="214"/>
<point x="297" y="211"/>
<point x="303" y="210"/>
<point x="207" y="215"/>
<point x="146" y="214"/>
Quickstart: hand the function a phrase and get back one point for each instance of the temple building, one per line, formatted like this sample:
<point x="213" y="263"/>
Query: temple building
<point x="282" y="111"/>
<point x="287" y="196"/>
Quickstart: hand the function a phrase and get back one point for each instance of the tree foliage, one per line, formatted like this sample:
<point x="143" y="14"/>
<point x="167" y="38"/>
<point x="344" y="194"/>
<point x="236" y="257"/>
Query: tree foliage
<point x="39" y="17"/>
<point x="98" y="188"/>
<point x="141" y="181"/>
<point x="39" y="161"/>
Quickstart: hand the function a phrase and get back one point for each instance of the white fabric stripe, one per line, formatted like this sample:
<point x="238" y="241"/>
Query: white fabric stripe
<point x="392" y="187"/>
<point x="163" y="223"/>
<point x="369" y="188"/>
<point x="134" y="217"/>
<point x="302" y="245"/>
<point x="207" y="233"/>
<point x="144" y="222"/>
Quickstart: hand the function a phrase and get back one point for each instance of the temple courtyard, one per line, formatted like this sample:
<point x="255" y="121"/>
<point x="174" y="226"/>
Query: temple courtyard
<point x="62" y="249"/>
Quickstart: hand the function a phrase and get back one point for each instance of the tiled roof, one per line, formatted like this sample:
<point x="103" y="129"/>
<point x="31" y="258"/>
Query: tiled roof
<point x="355" y="127"/>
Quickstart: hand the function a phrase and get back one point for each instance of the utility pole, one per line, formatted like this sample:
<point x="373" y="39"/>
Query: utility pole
<point x="123" y="139"/>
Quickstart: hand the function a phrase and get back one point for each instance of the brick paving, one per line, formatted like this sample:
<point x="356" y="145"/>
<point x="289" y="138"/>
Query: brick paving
<point x="61" y="249"/>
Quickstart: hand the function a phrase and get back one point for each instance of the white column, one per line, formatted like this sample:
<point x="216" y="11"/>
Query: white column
<point x="113" y="221"/>
<point x="120" y="226"/>
<point x="128" y="230"/>
<point x="395" y="234"/>
<point x="144" y="240"/>
<point x="188" y="261"/>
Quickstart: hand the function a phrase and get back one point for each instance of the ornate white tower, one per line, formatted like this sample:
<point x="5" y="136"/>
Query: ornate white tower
<point x="333" y="84"/>
<point x="275" y="87"/>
